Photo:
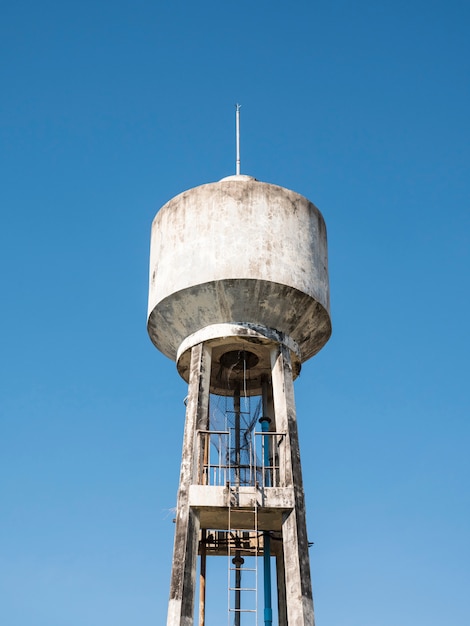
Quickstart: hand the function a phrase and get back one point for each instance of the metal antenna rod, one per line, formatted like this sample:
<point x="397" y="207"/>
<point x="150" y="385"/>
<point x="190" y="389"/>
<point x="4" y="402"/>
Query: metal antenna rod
<point x="237" y="108"/>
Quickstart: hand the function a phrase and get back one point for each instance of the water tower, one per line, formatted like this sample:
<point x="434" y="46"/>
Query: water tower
<point x="239" y="298"/>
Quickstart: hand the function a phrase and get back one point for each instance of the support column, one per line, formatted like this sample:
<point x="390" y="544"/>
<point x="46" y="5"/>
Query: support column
<point x="183" y="575"/>
<point x="281" y="588"/>
<point x="298" y="584"/>
<point x="202" y="580"/>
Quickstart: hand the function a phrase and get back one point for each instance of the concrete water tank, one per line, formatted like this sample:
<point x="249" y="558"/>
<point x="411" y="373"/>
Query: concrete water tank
<point x="242" y="252"/>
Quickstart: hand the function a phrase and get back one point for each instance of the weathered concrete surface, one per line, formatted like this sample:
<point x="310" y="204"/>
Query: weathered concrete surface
<point x="281" y="589"/>
<point x="279" y="509"/>
<point x="212" y="506"/>
<point x="299" y="600"/>
<point x="223" y="338"/>
<point x="240" y="265"/>
<point x="239" y="251"/>
<point x="183" y="574"/>
<point x="269" y="497"/>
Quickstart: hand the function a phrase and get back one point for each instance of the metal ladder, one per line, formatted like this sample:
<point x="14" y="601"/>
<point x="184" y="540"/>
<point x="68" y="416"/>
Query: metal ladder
<point x="243" y="548"/>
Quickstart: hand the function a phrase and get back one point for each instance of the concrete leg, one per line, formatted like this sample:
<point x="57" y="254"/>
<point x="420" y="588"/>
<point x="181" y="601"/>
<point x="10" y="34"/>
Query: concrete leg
<point x="281" y="589"/>
<point x="298" y="584"/>
<point x="183" y="575"/>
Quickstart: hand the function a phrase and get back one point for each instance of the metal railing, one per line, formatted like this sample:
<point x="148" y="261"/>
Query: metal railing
<point x="256" y="466"/>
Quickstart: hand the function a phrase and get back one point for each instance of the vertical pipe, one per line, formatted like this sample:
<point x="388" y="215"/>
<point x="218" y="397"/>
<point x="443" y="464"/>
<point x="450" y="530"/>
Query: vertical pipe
<point x="237" y="106"/>
<point x="269" y="447"/>
<point x="236" y="408"/>
<point x="238" y="562"/>
<point x="268" y="611"/>
<point x="265" y="422"/>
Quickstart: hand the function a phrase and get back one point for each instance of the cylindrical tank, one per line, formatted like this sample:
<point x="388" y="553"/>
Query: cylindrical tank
<point x="239" y="251"/>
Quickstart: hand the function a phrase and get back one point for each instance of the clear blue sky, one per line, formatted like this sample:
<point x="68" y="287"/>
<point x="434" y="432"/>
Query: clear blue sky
<point x="107" y="110"/>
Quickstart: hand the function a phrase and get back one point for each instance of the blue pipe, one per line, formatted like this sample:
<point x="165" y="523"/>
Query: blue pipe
<point x="268" y="611"/>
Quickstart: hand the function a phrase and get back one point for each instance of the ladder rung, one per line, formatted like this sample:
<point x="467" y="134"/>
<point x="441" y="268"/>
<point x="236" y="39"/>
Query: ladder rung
<point x="248" y="541"/>
<point x="243" y="569"/>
